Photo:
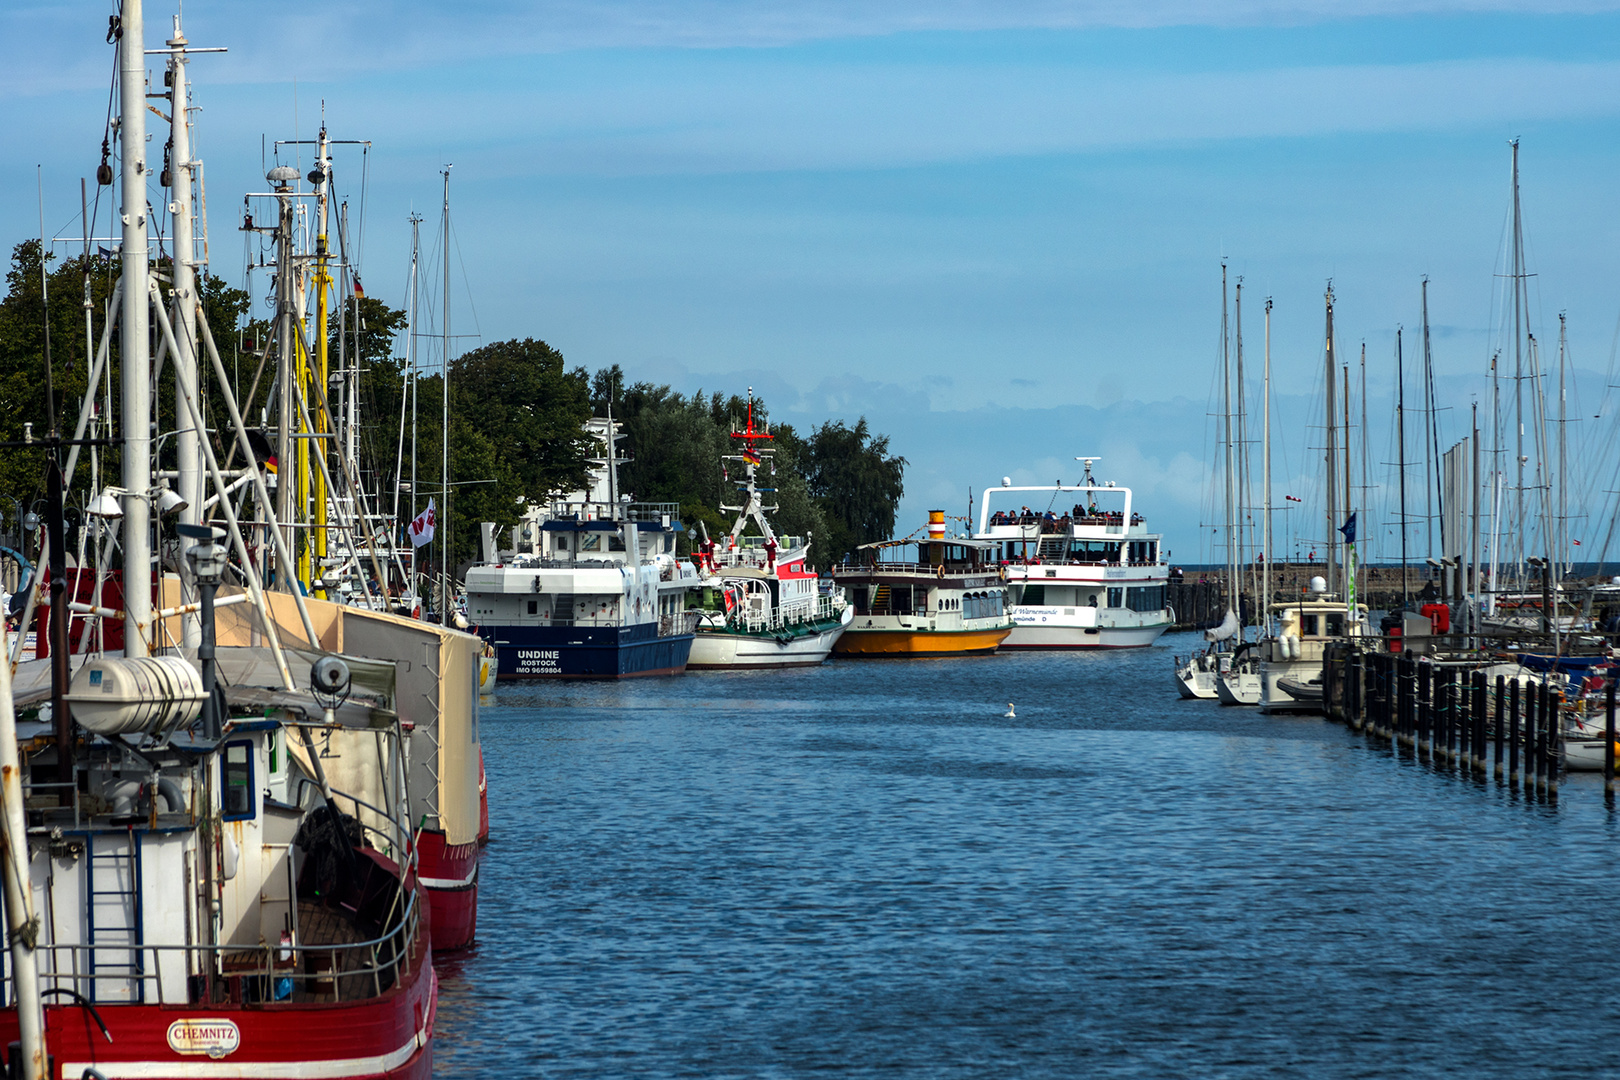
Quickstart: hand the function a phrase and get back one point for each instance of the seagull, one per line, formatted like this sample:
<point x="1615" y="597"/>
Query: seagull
<point x="1009" y="714"/>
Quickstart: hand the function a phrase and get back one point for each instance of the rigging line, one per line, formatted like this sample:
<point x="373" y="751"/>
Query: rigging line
<point x="465" y="283"/>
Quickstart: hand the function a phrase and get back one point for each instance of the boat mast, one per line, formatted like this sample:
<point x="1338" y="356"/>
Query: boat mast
<point x="443" y="527"/>
<point x="1400" y="452"/>
<point x="135" y="334"/>
<point x="1232" y="602"/>
<point x="1242" y="557"/>
<point x="1349" y="540"/>
<point x="1433" y="489"/>
<point x="1517" y="277"/>
<point x="188" y="484"/>
<point x="1562" y="554"/>
<point x="1332" y="451"/>
<point x="1265" y="482"/>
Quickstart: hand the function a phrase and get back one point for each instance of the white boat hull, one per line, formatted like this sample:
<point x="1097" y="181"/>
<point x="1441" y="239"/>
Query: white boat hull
<point x="720" y="649"/>
<point x="1238" y="688"/>
<point x="1052" y="632"/>
<point x="1196" y="680"/>
<point x="1274" y="699"/>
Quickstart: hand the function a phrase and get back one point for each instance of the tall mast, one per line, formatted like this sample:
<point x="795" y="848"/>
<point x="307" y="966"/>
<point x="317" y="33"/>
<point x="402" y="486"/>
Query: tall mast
<point x="1265" y="482"/>
<point x="443" y="527"/>
<point x="1561" y="554"/>
<point x="1232" y="601"/>
<point x="1432" y="490"/>
<point x="135" y="333"/>
<point x="1241" y="553"/>
<point x="187" y="445"/>
<point x="1332" y="451"/>
<point x="1364" y="527"/>
<point x="316" y="551"/>
<point x="1349" y="542"/>
<point x="1400" y="451"/>
<point x="408" y="390"/>
<point x="1517" y="278"/>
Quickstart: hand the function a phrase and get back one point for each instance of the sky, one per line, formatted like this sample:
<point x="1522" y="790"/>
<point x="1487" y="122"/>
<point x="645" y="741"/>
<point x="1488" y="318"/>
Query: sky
<point x="994" y="229"/>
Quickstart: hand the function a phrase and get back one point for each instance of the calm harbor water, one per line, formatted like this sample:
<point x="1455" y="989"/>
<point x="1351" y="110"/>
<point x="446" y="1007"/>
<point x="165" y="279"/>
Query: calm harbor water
<point x="864" y="869"/>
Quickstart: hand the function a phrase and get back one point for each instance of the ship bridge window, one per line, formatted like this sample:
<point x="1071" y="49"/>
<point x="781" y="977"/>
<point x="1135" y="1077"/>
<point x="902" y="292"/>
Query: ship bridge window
<point x="236" y="781"/>
<point x="1150" y="598"/>
<point x="590" y="542"/>
<point x="615" y="542"/>
<point x="561" y="542"/>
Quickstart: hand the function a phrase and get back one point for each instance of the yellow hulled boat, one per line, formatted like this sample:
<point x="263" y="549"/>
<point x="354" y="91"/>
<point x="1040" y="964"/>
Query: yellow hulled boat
<point x="939" y="596"/>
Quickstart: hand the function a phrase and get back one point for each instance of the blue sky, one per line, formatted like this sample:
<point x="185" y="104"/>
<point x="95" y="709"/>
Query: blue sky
<point x="995" y="229"/>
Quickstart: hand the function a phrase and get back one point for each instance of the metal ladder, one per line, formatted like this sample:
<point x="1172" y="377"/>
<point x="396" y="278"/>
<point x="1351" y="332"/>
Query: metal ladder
<point x="113" y="892"/>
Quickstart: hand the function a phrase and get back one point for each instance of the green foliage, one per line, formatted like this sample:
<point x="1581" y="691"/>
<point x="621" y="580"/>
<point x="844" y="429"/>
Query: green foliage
<point x="840" y="486"/>
<point x="856" y="483"/>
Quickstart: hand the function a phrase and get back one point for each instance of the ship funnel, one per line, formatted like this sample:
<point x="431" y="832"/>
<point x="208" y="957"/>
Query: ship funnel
<point x="936" y="524"/>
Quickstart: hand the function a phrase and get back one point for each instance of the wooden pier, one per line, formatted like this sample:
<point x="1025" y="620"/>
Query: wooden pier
<point x="1450" y="713"/>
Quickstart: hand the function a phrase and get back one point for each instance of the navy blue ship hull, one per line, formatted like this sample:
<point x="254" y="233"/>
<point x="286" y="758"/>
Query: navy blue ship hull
<point x="581" y="652"/>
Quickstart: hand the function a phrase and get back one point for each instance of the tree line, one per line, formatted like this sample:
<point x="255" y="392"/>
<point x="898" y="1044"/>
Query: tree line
<point x="517" y="412"/>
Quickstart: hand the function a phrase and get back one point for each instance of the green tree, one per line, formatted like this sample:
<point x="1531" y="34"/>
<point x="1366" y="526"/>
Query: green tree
<point x="856" y="483"/>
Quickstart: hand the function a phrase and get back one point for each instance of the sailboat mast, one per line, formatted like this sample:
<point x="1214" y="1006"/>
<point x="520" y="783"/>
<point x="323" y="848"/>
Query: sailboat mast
<point x="135" y="335"/>
<point x="1517" y="278"/>
<point x="1265" y="483"/>
<point x="442" y="529"/>
<point x="1226" y="409"/>
<point x="1435" y="510"/>
<point x="1562" y="554"/>
<point x="1331" y="497"/>
<point x="1349" y="542"/>
<point x="1400" y="451"/>
<point x="1243" y="542"/>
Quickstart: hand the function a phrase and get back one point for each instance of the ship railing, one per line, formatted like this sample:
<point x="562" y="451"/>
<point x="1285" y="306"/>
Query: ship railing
<point x="257" y="973"/>
<point x="885" y="567"/>
<point x="825" y="607"/>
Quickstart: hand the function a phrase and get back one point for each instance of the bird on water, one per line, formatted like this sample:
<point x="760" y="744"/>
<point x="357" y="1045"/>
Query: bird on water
<point x="1009" y="714"/>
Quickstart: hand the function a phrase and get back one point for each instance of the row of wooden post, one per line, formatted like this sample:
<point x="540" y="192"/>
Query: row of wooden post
<point x="1442" y="713"/>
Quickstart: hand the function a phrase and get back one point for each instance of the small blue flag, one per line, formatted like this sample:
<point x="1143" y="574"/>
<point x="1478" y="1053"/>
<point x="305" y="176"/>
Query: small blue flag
<point x="1349" y="529"/>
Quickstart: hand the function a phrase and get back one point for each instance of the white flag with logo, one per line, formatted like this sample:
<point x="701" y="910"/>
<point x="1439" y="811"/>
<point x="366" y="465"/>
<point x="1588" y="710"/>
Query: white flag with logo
<point x="422" y="526"/>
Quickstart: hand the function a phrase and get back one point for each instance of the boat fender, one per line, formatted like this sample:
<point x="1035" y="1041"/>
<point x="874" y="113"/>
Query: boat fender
<point x="230" y="854"/>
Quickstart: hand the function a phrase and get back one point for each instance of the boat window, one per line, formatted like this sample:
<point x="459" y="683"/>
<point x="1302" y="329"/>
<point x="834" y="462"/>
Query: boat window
<point x="1335" y="625"/>
<point x="1309" y="623"/>
<point x="1150" y="598"/>
<point x="236" y="781"/>
<point x="615" y="542"/>
<point x="590" y="542"/>
<point x="1116" y="597"/>
<point x="562" y="542"/>
<point x="534" y="607"/>
<point x="1034" y="594"/>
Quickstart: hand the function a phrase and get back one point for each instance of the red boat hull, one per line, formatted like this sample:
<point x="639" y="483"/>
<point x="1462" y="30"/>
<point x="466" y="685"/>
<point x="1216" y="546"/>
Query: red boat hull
<point x="389" y="1036"/>
<point x="449" y="875"/>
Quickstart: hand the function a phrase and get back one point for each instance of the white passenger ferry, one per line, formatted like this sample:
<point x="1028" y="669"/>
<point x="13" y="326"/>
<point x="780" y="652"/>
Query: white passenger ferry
<point x="1083" y="576"/>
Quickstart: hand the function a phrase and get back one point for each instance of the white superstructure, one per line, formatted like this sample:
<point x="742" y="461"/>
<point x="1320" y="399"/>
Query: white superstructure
<point x="1083" y="576"/>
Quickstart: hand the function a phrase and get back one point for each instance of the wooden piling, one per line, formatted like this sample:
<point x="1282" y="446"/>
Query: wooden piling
<point x="1480" y="748"/>
<point x="1552" y="740"/>
<point x="1513" y="733"/>
<point x="1608" y="743"/>
<point x="1500" y="727"/>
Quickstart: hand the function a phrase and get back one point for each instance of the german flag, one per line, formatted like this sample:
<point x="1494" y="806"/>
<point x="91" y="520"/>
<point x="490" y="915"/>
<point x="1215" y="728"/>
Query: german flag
<point x="359" y="290"/>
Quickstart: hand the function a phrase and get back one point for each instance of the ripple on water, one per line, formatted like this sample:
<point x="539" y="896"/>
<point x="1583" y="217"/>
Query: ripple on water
<point x="866" y="870"/>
